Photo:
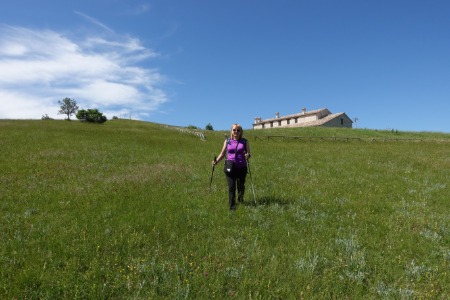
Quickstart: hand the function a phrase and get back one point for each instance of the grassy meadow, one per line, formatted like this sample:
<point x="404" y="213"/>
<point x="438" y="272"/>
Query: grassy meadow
<point x="124" y="210"/>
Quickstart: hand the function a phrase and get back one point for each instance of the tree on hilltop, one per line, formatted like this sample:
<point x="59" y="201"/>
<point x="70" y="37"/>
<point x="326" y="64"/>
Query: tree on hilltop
<point x="91" y="115"/>
<point x="68" y="107"/>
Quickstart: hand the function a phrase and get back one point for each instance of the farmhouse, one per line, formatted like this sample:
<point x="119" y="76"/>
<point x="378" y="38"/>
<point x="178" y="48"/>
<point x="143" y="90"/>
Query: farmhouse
<point x="318" y="117"/>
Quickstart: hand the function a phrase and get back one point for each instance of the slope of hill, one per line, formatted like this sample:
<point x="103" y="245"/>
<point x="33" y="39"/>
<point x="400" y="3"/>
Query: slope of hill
<point x="124" y="210"/>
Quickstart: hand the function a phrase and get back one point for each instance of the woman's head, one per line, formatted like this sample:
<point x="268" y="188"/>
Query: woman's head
<point x="236" y="131"/>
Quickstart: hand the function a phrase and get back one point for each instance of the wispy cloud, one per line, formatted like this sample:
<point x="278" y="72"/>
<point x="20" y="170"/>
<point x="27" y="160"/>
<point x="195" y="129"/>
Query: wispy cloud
<point x="138" y="10"/>
<point x="40" y="67"/>
<point x="94" y="21"/>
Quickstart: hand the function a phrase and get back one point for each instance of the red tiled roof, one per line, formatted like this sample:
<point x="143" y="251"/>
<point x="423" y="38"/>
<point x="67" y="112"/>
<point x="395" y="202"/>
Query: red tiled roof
<point x="301" y="114"/>
<point x="320" y="121"/>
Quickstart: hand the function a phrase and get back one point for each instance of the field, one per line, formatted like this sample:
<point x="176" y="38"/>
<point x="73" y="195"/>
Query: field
<point x="124" y="210"/>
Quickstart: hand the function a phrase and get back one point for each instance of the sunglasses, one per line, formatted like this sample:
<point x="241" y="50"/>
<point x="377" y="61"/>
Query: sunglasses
<point x="238" y="130"/>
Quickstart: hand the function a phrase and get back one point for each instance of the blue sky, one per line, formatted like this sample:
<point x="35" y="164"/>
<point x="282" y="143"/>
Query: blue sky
<point x="194" y="62"/>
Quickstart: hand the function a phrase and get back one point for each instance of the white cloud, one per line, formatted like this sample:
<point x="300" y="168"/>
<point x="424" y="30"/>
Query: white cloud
<point x="40" y="67"/>
<point x="94" y="21"/>
<point x="138" y="10"/>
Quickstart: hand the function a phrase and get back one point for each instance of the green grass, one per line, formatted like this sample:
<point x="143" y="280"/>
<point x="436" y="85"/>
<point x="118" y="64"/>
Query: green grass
<point x="124" y="210"/>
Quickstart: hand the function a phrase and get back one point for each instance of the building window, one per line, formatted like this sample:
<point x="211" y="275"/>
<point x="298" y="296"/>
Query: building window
<point x="288" y="121"/>
<point x="271" y="124"/>
<point x="342" y="121"/>
<point x="279" y="123"/>
<point x="296" y="120"/>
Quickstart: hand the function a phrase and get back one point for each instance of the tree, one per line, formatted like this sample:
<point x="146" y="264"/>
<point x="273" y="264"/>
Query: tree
<point x="68" y="107"/>
<point x="91" y="115"/>
<point x="209" y="127"/>
<point x="46" y="117"/>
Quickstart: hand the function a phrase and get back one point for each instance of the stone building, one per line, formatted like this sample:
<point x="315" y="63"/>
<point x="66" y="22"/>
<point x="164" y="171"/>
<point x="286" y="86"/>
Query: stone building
<point x="318" y="117"/>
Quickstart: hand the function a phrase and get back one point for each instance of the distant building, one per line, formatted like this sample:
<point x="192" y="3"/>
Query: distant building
<point x="318" y="117"/>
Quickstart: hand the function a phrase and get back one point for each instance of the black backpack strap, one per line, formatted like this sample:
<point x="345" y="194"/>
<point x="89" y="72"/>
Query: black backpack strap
<point x="228" y="142"/>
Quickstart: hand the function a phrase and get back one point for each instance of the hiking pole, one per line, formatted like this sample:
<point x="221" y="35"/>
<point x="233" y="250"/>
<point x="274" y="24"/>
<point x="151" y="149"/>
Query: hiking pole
<point x="212" y="173"/>
<point x="251" y="179"/>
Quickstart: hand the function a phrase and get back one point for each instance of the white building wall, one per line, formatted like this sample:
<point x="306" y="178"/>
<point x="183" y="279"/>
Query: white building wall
<point x="307" y="119"/>
<point x="282" y="122"/>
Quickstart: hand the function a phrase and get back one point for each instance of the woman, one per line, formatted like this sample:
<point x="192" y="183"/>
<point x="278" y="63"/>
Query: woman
<point x="237" y="150"/>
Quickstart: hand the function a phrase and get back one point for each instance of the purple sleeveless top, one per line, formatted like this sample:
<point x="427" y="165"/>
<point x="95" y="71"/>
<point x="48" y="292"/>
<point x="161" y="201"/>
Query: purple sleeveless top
<point x="239" y="156"/>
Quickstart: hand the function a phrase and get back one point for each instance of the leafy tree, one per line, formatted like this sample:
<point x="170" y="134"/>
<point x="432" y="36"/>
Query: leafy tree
<point x="209" y="127"/>
<point x="91" y="115"/>
<point x="68" y="107"/>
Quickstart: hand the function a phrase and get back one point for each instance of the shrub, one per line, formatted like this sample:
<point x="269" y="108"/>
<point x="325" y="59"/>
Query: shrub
<point x="91" y="115"/>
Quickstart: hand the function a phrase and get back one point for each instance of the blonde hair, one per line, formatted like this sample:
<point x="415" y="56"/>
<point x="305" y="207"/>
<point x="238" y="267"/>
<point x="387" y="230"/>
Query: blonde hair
<point x="237" y="126"/>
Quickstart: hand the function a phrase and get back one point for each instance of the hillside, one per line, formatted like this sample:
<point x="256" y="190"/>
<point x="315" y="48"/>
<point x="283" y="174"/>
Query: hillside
<point x="364" y="134"/>
<point x="124" y="210"/>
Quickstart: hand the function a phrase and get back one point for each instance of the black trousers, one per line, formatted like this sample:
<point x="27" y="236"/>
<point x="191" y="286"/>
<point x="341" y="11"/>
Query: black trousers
<point x="236" y="179"/>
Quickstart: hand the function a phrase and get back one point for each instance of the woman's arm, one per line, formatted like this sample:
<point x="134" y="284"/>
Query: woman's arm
<point x="222" y="153"/>
<point x="247" y="150"/>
